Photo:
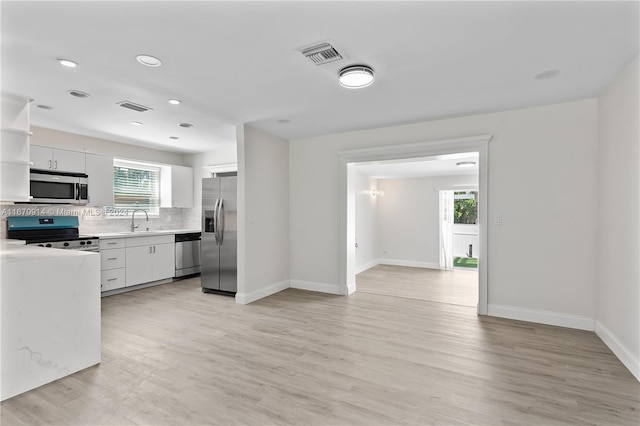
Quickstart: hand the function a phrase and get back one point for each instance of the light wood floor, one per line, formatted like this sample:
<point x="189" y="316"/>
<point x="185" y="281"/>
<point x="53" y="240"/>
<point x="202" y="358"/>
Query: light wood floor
<point x="458" y="287"/>
<point x="173" y="355"/>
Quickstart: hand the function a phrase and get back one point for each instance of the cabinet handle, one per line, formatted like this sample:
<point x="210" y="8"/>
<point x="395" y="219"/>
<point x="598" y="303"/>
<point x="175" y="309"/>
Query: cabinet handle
<point x="112" y="279"/>
<point x="112" y="258"/>
<point x="154" y="249"/>
<point x="112" y="243"/>
<point x="56" y="163"/>
<point x="150" y="250"/>
<point x="50" y="165"/>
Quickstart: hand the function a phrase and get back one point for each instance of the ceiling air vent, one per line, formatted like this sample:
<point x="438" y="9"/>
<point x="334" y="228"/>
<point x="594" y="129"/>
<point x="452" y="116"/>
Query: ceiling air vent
<point x="322" y="54"/>
<point x="135" y="107"/>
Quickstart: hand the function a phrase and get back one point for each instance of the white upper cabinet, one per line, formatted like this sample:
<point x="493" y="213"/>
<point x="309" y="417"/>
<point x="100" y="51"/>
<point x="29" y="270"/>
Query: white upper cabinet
<point x="176" y="186"/>
<point x="60" y="160"/>
<point x="182" y="186"/>
<point x="100" y="172"/>
<point x="14" y="148"/>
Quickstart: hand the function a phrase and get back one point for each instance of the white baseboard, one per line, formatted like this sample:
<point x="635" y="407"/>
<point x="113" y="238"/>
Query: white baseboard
<point x="542" y="317"/>
<point x="631" y="361"/>
<point x="319" y="287"/>
<point x="351" y="288"/>
<point x="365" y="266"/>
<point x="410" y="263"/>
<point x="245" y="298"/>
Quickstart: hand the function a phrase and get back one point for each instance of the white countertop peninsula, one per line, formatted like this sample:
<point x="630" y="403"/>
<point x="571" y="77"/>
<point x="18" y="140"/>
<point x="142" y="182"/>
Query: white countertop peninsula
<point x="50" y="317"/>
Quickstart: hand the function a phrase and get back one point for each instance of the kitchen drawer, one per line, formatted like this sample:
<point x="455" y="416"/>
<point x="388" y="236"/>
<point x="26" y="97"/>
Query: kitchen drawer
<point x="112" y="259"/>
<point x="112" y="243"/>
<point x="112" y="279"/>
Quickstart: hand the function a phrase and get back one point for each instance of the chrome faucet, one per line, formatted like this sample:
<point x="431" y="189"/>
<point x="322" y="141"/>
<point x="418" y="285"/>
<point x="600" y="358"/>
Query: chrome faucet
<point x="133" y="218"/>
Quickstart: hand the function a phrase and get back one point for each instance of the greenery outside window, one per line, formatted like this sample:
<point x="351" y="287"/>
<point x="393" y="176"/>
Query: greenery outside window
<point x="136" y="186"/>
<point x="465" y="207"/>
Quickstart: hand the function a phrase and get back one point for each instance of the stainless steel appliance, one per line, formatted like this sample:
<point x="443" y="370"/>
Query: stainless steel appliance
<point x="51" y="187"/>
<point x="187" y="254"/>
<point x="219" y="249"/>
<point x="51" y="231"/>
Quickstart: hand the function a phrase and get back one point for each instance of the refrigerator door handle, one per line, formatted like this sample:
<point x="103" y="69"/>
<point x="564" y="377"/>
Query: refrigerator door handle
<point x="215" y="221"/>
<point x="220" y="221"/>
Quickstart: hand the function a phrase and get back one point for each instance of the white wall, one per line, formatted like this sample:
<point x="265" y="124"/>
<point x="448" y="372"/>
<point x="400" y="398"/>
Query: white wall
<point x="408" y="215"/>
<point x="618" y="285"/>
<point x="263" y="214"/>
<point x="366" y="223"/>
<point x="547" y="153"/>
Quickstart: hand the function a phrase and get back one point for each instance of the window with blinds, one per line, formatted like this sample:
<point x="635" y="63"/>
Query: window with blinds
<point x="136" y="186"/>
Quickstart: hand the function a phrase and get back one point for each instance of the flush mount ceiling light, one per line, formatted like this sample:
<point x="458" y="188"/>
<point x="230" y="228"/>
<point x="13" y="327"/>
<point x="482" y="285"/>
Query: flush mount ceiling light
<point x="356" y="76"/>
<point x="67" y="63"/>
<point x="148" y="60"/>
<point x="466" y="164"/>
<point x="175" y="101"/>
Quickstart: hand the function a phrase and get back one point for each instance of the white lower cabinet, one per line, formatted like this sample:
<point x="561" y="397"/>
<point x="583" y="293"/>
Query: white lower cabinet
<point x="149" y="259"/>
<point x="112" y="279"/>
<point x="112" y="264"/>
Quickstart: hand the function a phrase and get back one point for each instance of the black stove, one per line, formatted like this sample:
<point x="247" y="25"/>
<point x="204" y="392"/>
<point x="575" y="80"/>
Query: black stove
<point x="51" y="231"/>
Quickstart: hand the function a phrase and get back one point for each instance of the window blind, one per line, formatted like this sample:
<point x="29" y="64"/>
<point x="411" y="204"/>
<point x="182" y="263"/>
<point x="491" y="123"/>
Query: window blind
<point x="136" y="186"/>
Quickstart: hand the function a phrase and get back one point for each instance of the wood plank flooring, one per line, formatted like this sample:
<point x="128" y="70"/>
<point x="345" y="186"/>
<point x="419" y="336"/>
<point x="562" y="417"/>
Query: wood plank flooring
<point x="175" y="356"/>
<point x="458" y="287"/>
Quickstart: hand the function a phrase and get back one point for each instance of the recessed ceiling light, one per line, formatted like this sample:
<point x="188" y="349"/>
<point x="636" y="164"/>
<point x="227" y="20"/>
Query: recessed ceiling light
<point x="466" y="164"/>
<point x="148" y="60"/>
<point x="356" y="76"/>
<point x="185" y="125"/>
<point x="546" y="75"/>
<point x="136" y="123"/>
<point x="67" y="63"/>
<point x="44" y="106"/>
<point x="78" y="93"/>
<point x="174" y="137"/>
<point x="175" y="101"/>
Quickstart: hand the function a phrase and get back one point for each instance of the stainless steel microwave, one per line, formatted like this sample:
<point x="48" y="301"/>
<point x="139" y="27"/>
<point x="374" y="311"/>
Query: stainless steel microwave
<point x="51" y="187"/>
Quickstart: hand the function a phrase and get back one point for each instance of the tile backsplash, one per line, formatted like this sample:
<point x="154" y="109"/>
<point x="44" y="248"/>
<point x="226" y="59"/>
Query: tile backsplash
<point x="94" y="220"/>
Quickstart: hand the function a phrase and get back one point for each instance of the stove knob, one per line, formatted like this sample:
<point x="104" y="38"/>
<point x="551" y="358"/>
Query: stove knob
<point x="48" y="245"/>
<point x="81" y="243"/>
<point x="66" y="244"/>
<point x="88" y="242"/>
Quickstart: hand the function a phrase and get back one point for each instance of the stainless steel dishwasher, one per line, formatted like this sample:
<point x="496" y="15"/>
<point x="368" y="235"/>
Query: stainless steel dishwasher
<point x="187" y="254"/>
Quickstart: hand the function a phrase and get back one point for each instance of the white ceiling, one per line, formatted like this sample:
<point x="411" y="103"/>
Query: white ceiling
<point x="239" y="62"/>
<point x="440" y="165"/>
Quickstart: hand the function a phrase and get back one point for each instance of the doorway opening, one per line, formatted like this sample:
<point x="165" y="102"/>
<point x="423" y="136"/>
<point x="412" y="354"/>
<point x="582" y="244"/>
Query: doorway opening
<point x="410" y="155"/>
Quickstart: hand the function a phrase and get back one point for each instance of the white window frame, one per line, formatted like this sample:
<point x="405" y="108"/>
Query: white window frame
<point x="124" y="210"/>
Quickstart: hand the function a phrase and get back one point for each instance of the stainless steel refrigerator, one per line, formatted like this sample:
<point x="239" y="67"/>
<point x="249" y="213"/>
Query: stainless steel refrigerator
<point x="219" y="247"/>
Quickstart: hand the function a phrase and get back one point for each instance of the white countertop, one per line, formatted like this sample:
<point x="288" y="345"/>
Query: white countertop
<point x="108" y="235"/>
<point x="13" y="251"/>
<point x="51" y="300"/>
